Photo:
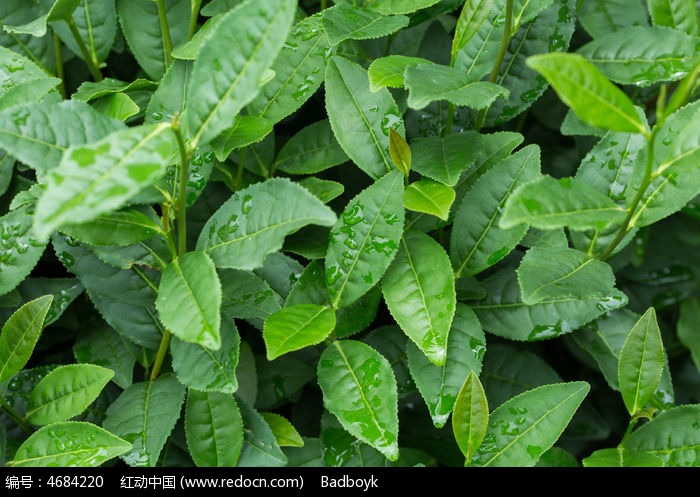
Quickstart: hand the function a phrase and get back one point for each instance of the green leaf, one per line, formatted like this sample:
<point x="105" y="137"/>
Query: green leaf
<point x="285" y="433"/>
<point x="641" y="362"/>
<point x="103" y="346"/>
<point x="365" y="240"/>
<point x="189" y="300"/>
<point x="471" y="18"/>
<point x="344" y="22"/>
<point x="61" y="10"/>
<point x="620" y="457"/>
<point x="119" y="228"/>
<point x="600" y="17"/>
<point x="389" y="71"/>
<point x="170" y="96"/>
<point x="642" y="56"/>
<point x="295" y="327"/>
<point x="96" y="21"/>
<point x="429" y="197"/>
<point x="524" y="427"/>
<point x="20" y="334"/>
<point x="325" y="190"/>
<point x="214" y="98"/>
<point x="66" y="392"/>
<point x="69" y="444"/>
<point x="144" y="415"/>
<point x="387" y="7"/>
<point x="20" y="250"/>
<point x="503" y="312"/>
<point x="208" y="370"/>
<point x="686" y="328"/>
<point x="556" y="457"/>
<point x="246" y="375"/>
<point x="245" y="131"/>
<point x="281" y="380"/>
<point x="546" y="273"/>
<point x="428" y="83"/>
<point x="123" y="298"/>
<point x="89" y="91"/>
<point x="313" y="149"/>
<point x="471" y="416"/>
<point x="681" y="15"/>
<point x="214" y="429"/>
<point x="360" y="119"/>
<point x="38" y="133"/>
<point x="141" y="27"/>
<point x="117" y="105"/>
<point x="671" y="436"/>
<point x="400" y="152"/>
<point x="549" y="203"/>
<point x="581" y="86"/>
<point x="298" y="71"/>
<point x="440" y="385"/>
<point x="27" y="91"/>
<point x="244" y="229"/>
<point x="476" y="243"/>
<point x="419" y="290"/>
<point x="359" y="388"/>
<point x="247" y="296"/>
<point x="101" y="177"/>
<point x="340" y="449"/>
<point x="260" y="447"/>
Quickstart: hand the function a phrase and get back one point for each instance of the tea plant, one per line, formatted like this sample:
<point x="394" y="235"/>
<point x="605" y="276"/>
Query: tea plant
<point x="367" y="232"/>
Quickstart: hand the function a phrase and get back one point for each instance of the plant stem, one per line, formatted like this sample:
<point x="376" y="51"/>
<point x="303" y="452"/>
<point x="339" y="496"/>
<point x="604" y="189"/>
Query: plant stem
<point x="89" y="60"/>
<point x="160" y="355"/>
<point x="194" y="15"/>
<point x="59" y="66"/>
<point x="450" y="119"/>
<point x="646" y="181"/>
<point x="11" y="413"/>
<point x="505" y="41"/>
<point x="181" y="201"/>
<point x="165" y="32"/>
<point x="628" y="431"/>
<point x="323" y="4"/>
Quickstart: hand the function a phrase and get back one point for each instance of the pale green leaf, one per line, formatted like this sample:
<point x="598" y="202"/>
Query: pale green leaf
<point x="66" y="392"/>
<point x="389" y="71"/>
<point x="400" y="152"/>
<point x="359" y="388"/>
<point x="285" y="433"/>
<point x="222" y="85"/>
<point x="472" y="16"/>
<point x="476" y="242"/>
<point x="28" y="91"/>
<point x="260" y="447"/>
<point x="69" y="444"/>
<point x="641" y="362"/>
<point x="687" y="328"/>
<point x="439" y="385"/>
<point x="117" y="106"/>
<point x="245" y="131"/>
<point x="524" y="427"/>
<point x="189" y="300"/>
<point x="681" y="15"/>
<point x="214" y="429"/>
<point x="547" y="273"/>
<point x="620" y="457"/>
<point x="549" y="203"/>
<point x="311" y="150"/>
<point x="245" y="229"/>
<point x="429" y="197"/>
<point x="20" y="250"/>
<point x="208" y="370"/>
<point x="20" y="334"/>
<point x="600" y="17"/>
<point x="581" y="86"/>
<point x="470" y="417"/>
<point x="360" y="119"/>
<point x="144" y="415"/>
<point x="295" y="327"/>
<point x="344" y="22"/>
<point x="325" y="190"/>
<point x="101" y="177"/>
<point x="387" y="7"/>
<point x="419" y="290"/>
<point x="365" y="240"/>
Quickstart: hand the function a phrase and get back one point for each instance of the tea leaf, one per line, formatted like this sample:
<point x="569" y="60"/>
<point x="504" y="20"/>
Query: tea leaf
<point x="472" y="16"/>
<point x="313" y="149"/>
<point x="390" y="70"/>
<point x="214" y="429"/>
<point x="641" y="362"/>
<point x="620" y="457"/>
<point x="679" y="14"/>
<point x="471" y="416"/>
<point x="247" y="296"/>
<point x="103" y="346"/>
<point x="69" y="444"/>
<point x="285" y="433"/>
<point x="387" y="7"/>
<point x="419" y="291"/>
<point x="96" y="21"/>
<point x="189" y="300"/>
<point x="260" y="447"/>
<point x="359" y="388"/>
<point x="365" y="240"/>
<point x="119" y="228"/>
<point x="295" y="327"/>
<point x="144" y="415"/>
<point x="244" y="230"/>
<point x="66" y="392"/>
<point x="61" y="10"/>
<point x="429" y="197"/>
<point x="687" y="328"/>
<point x="599" y="17"/>
<point x="439" y="385"/>
<point x="20" y="334"/>
<point x="524" y="427"/>
<point x="343" y="22"/>
<point x="245" y="131"/>
<point x="360" y="119"/>
<point x="20" y="250"/>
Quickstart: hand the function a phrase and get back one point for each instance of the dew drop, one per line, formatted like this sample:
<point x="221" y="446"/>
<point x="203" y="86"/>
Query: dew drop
<point x="66" y="259"/>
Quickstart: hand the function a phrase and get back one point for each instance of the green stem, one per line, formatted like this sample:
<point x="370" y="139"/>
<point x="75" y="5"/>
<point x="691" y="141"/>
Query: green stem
<point x="89" y="60"/>
<point x="160" y="355"/>
<point x="450" y="119"/>
<point x="194" y="15"/>
<point x="323" y="4"/>
<point x="59" y="66"/>
<point x="628" y="431"/>
<point x="165" y="31"/>
<point x="646" y="181"/>
<point x="505" y="41"/>
<point x="19" y="420"/>
<point x="181" y="201"/>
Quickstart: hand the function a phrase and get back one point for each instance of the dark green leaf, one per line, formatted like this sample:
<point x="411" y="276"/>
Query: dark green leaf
<point x="281" y="380"/>
<point x="313" y="149"/>
<point x="96" y="21"/>
<point x="247" y="296"/>
<point x="260" y="447"/>
<point x="103" y="346"/>
<point x="119" y="228"/>
<point x="214" y="429"/>
<point x="687" y="328"/>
